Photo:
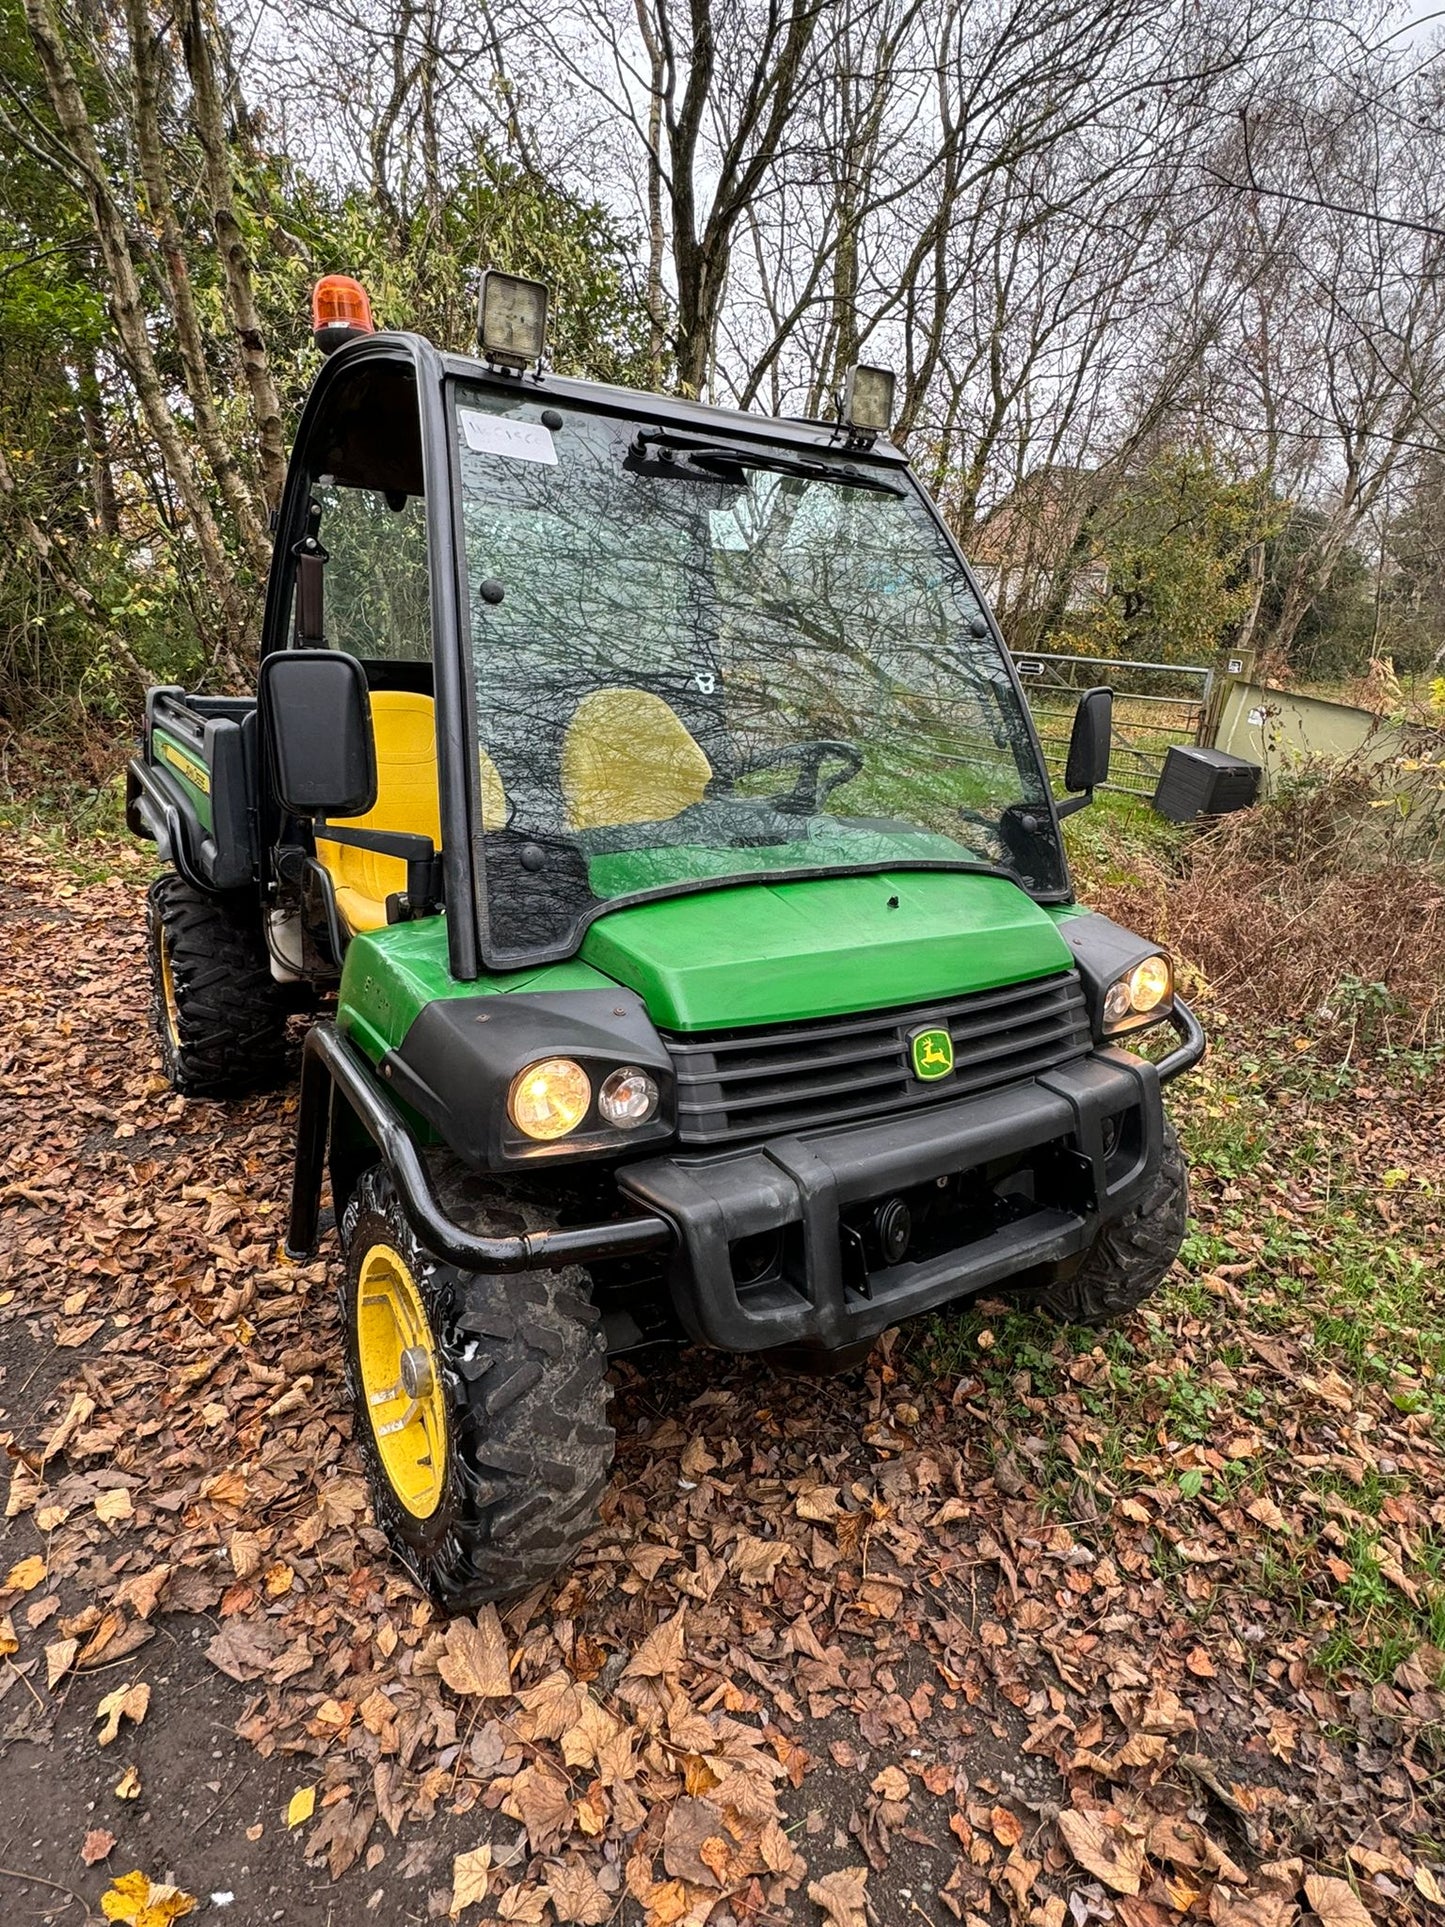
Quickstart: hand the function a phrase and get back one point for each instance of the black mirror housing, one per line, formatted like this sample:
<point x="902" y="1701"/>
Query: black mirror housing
<point x="1088" y="763"/>
<point x="316" y="717"/>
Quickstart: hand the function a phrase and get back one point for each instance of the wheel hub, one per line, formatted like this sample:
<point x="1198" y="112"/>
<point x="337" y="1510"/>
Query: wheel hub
<point x="417" y="1376"/>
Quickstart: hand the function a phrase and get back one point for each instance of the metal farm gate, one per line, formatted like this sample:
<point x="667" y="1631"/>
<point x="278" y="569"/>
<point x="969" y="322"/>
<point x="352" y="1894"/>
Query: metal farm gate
<point x="1155" y="704"/>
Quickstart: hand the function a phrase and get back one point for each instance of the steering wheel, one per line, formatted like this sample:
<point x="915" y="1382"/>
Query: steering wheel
<point x="812" y="789"/>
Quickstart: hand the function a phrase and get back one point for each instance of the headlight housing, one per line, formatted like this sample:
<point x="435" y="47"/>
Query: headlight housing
<point x="549" y="1099"/>
<point x="1141" y="996"/>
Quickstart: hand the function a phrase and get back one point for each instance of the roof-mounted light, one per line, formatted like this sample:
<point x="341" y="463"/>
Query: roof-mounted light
<point x="512" y="320"/>
<point x="340" y="310"/>
<point x="868" y="399"/>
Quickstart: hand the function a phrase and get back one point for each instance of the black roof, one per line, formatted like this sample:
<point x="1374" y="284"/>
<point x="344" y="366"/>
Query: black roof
<point x="673" y="410"/>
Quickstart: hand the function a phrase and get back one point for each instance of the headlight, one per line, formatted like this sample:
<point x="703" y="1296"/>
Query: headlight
<point x="1133" y="1000"/>
<point x="628" y="1098"/>
<point x="549" y="1099"/>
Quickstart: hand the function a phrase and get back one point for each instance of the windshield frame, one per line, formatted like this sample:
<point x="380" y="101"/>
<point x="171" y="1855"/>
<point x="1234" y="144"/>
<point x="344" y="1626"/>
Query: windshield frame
<point x="813" y="440"/>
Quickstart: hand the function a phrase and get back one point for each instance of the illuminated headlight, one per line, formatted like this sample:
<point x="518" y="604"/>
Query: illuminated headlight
<point x="549" y="1099"/>
<point x="628" y="1098"/>
<point x="1143" y="994"/>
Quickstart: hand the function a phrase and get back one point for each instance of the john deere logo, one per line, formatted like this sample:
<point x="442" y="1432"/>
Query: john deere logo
<point x="932" y="1054"/>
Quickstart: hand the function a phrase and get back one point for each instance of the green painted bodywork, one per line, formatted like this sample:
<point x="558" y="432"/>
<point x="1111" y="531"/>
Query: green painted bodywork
<point x="391" y="975"/>
<point x="780" y="953"/>
<point x="181" y="758"/>
<point x="752" y="954"/>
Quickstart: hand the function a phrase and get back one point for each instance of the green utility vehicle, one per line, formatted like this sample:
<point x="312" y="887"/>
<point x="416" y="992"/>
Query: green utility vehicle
<point x="641" y="794"/>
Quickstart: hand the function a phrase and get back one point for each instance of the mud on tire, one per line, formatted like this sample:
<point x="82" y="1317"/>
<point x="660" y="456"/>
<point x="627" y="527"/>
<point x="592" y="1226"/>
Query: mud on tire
<point x="1132" y="1256"/>
<point x="522" y="1363"/>
<point x="217" y="1012"/>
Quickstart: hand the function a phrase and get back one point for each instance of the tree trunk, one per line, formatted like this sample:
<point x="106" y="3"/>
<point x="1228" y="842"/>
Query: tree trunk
<point x="128" y="312"/>
<point x="242" y="310"/>
<point x="190" y="342"/>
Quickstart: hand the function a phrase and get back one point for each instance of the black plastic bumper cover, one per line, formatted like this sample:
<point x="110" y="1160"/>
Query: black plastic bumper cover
<point x="330" y="1065"/>
<point x="809" y="1180"/>
<point x="697" y="1207"/>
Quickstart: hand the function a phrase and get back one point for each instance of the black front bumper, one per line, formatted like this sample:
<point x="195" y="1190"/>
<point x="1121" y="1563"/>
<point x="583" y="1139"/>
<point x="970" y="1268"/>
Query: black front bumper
<point x="807" y="1194"/>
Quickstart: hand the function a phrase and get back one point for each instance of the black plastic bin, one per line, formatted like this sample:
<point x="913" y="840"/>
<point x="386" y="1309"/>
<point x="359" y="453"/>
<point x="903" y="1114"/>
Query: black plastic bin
<point x="1204" y="782"/>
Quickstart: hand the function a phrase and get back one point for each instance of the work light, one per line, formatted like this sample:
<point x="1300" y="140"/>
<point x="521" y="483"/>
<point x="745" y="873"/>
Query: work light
<point x="868" y="398"/>
<point x="512" y="319"/>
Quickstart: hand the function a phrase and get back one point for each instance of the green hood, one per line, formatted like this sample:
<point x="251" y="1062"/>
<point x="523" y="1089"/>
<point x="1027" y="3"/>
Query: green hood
<point x="778" y="953"/>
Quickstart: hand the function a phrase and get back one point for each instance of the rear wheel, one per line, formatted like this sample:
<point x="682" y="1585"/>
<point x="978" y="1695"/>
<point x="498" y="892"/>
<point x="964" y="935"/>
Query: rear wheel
<point x="481" y="1407"/>
<point x="217" y="1012"/>
<point x="1131" y="1257"/>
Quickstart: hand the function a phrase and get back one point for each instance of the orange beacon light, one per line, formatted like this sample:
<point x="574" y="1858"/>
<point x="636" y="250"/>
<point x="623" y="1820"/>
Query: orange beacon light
<point x="339" y="310"/>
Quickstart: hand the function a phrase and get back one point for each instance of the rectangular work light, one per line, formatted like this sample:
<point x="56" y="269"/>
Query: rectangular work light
<point x="868" y="398"/>
<point x="512" y="319"/>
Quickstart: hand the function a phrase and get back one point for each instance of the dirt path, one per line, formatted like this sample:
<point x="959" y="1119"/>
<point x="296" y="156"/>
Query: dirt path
<point x="932" y="1642"/>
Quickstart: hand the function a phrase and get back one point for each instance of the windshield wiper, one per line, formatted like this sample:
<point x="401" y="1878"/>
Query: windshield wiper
<point x="726" y="457"/>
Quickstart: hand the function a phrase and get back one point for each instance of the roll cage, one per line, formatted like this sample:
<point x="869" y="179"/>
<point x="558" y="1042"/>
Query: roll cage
<point x="431" y="467"/>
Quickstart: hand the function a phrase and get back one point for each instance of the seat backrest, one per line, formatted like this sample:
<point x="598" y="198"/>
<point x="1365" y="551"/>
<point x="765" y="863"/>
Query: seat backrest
<point x="627" y="757"/>
<point x="403" y="726"/>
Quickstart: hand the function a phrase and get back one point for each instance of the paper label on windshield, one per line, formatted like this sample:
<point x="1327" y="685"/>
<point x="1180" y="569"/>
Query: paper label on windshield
<point x="497" y="435"/>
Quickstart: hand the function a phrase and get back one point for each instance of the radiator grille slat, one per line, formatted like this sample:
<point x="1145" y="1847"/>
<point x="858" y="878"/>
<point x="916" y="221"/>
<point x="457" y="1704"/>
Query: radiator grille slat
<point x="733" y="1085"/>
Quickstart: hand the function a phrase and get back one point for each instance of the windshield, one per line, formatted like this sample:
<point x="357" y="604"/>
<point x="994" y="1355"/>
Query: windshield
<point x="690" y="670"/>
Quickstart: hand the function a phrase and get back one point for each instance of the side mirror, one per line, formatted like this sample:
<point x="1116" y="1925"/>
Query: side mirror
<point x="316" y="716"/>
<point x="1088" y="763"/>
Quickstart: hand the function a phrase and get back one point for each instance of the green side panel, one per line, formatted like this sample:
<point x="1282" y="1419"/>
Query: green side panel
<point x="390" y="975"/>
<point x="188" y="770"/>
<point x="1062" y="911"/>
<point x="778" y="953"/>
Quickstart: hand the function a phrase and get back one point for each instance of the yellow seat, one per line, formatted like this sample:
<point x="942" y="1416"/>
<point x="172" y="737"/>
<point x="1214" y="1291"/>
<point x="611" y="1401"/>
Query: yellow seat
<point x="403" y="725"/>
<point x="627" y="758"/>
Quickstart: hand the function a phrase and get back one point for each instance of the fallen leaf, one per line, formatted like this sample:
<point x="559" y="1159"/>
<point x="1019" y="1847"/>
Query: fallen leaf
<point x="661" y="1653"/>
<point x="841" y="1896"/>
<point x="141" y="1902"/>
<point x="26" y="1575"/>
<point x="576" y="1898"/>
<point x="1005" y="1827"/>
<point x="1336" y="1902"/>
<point x="114" y="1506"/>
<point x="475" y="1661"/>
<point x="126" y="1702"/>
<point x="691" y="1825"/>
<point x="59" y="1657"/>
<point x="1113" y="1858"/>
<point x="96" y="1845"/>
<point x="1429" y="1886"/>
<point x="471" y="1873"/>
<point x="523" y="1904"/>
<point x="301" y="1806"/>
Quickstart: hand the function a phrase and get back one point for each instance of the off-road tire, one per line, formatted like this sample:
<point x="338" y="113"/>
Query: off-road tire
<point x="224" y="1030"/>
<point x="522" y="1362"/>
<point x="1131" y="1257"/>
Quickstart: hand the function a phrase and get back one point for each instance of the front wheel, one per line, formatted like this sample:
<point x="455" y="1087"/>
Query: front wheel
<point x="1131" y="1257"/>
<point x="481" y="1407"/>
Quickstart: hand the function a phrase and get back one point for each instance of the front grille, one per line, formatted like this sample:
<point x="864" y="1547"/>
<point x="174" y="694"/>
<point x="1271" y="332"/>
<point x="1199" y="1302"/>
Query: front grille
<point x="759" y="1083"/>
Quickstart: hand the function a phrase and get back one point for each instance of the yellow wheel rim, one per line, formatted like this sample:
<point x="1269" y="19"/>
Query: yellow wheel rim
<point x="168" y="995"/>
<point x="400" y="1381"/>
